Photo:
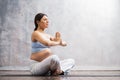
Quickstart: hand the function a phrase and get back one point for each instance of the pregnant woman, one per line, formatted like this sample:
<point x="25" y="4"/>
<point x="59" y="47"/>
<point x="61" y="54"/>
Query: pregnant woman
<point x="44" y="61"/>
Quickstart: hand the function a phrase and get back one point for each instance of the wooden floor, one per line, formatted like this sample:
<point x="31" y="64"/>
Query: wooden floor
<point x="73" y="75"/>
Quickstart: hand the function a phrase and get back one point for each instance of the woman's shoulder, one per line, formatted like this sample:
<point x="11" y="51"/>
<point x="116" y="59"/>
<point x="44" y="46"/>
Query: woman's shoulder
<point x="36" y="33"/>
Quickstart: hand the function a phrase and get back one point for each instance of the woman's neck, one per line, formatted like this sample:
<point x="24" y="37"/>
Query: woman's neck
<point x="40" y="30"/>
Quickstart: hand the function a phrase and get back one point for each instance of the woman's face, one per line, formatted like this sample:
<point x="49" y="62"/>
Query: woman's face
<point x="43" y="23"/>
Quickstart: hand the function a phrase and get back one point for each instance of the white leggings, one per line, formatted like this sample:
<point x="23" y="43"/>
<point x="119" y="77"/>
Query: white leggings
<point x="51" y="63"/>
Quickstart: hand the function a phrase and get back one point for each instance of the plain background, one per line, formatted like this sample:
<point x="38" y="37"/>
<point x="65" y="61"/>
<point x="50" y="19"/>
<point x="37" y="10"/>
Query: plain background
<point x="90" y="27"/>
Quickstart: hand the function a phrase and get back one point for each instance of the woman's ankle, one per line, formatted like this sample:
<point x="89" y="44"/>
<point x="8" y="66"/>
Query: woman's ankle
<point x="58" y="72"/>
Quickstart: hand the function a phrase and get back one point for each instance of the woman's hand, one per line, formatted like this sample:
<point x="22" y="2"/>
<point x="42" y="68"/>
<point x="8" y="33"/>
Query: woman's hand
<point x="57" y="36"/>
<point x="63" y="43"/>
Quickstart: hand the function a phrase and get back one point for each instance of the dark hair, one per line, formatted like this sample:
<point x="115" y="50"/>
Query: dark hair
<point x="38" y="17"/>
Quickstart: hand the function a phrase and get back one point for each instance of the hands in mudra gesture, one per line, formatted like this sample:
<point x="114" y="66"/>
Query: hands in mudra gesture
<point x="58" y="39"/>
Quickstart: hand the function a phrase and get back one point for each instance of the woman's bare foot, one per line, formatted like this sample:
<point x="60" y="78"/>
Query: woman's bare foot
<point x="57" y="72"/>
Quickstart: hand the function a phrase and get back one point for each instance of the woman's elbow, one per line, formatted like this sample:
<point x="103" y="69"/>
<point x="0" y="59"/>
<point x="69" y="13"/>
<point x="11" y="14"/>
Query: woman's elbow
<point x="47" y="44"/>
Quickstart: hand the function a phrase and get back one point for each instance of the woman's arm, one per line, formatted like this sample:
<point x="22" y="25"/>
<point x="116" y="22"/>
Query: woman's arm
<point x="44" y="40"/>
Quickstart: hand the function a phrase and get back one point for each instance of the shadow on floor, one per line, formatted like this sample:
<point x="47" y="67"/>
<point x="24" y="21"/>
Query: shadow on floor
<point x="73" y="75"/>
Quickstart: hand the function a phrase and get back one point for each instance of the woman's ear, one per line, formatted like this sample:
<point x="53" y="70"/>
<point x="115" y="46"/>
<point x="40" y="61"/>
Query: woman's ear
<point x="37" y="21"/>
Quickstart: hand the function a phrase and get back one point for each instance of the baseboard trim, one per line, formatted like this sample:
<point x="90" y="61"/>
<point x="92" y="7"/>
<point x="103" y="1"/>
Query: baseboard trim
<point x="75" y="68"/>
<point x="96" y="68"/>
<point x="14" y="68"/>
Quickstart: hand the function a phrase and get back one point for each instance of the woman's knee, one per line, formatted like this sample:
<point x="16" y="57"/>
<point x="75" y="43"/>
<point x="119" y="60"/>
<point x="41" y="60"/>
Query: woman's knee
<point x="55" y="59"/>
<point x="54" y="62"/>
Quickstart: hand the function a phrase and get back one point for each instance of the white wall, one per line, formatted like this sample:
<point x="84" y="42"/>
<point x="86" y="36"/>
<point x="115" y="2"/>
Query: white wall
<point x="91" y="28"/>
